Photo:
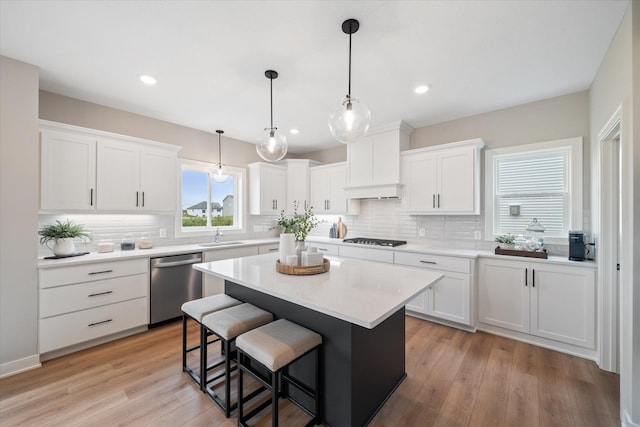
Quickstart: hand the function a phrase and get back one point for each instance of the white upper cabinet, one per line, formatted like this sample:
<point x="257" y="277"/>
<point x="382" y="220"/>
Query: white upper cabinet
<point x="298" y="183"/>
<point x="68" y="171"/>
<point x="131" y="177"/>
<point x="327" y="193"/>
<point x="442" y="180"/>
<point x="86" y="169"/>
<point x="373" y="162"/>
<point x="267" y="188"/>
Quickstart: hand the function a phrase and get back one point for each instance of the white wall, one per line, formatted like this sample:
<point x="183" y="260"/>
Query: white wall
<point x="616" y="84"/>
<point x="19" y="162"/>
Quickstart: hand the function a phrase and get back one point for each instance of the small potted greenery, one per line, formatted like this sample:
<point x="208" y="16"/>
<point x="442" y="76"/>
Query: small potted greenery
<point x="62" y="235"/>
<point x="295" y="229"/>
<point x="506" y="241"/>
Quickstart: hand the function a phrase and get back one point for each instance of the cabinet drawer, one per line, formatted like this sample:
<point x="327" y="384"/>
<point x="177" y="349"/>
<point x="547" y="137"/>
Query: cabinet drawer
<point x="89" y="272"/>
<point x="379" y="255"/>
<point x="268" y="249"/>
<point x="326" y="249"/>
<point x="434" y="262"/>
<point x="80" y="296"/>
<point x="68" y="329"/>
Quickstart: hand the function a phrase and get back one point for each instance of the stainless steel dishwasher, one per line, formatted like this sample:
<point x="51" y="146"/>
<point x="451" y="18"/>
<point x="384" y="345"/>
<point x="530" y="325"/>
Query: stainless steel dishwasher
<point x="173" y="282"/>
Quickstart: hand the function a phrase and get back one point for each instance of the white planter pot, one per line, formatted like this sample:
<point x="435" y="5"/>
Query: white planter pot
<point x="64" y="247"/>
<point x="287" y="246"/>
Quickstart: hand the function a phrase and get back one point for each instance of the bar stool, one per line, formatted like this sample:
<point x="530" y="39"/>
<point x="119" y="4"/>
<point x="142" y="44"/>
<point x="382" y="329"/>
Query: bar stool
<point x="196" y="310"/>
<point x="275" y="346"/>
<point x="227" y="325"/>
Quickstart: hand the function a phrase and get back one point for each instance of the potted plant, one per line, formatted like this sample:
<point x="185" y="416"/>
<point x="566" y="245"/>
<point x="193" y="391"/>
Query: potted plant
<point x="506" y="241"/>
<point x="295" y="230"/>
<point x="62" y="235"/>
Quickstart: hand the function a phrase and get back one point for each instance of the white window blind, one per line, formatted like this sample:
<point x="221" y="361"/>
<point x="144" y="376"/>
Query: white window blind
<point x="541" y="180"/>
<point x="538" y="183"/>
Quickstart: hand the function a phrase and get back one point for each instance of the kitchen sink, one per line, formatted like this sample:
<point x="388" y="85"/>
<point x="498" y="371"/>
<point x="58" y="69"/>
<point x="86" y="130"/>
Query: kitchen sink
<point x="228" y="243"/>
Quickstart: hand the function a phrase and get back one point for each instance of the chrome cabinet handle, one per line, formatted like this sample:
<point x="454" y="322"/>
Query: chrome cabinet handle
<point x="323" y="249"/>
<point x="100" y="323"/>
<point x="91" y="198"/>
<point x="273" y="249"/>
<point x="427" y="262"/>
<point x="533" y="277"/>
<point x="438" y="199"/>
<point x="100" y="293"/>
<point x="143" y="199"/>
<point x="136" y="199"/>
<point x="176" y="263"/>
<point x="434" y="201"/>
<point x="526" y="272"/>
<point x="100" y="272"/>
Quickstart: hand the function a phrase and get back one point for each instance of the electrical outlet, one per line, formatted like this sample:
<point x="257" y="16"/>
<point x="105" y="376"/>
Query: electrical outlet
<point x="422" y="232"/>
<point x="477" y="235"/>
<point x="163" y="232"/>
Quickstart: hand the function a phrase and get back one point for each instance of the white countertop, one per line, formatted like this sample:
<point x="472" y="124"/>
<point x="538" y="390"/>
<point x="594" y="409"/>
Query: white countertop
<point x="147" y="253"/>
<point x="364" y="293"/>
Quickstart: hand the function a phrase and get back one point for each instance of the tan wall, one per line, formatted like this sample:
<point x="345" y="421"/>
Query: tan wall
<point x="19" y="196"/>
<point x="196" y="144"/>
<point x="330" y="155"/>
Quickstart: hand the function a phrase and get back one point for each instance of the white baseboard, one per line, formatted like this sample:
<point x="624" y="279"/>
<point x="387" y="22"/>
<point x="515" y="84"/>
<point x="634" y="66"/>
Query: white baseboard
<point x="626" y="420"/>
<point x="20" y="365"/>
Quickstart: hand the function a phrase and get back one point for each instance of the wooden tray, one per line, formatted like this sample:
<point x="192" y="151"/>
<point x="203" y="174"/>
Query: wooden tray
<point x="303" y="270"/>
<point x="528" y="254"/>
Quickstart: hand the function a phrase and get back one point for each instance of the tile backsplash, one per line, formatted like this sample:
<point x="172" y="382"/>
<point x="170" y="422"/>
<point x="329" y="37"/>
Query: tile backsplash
<point x="382" y="219"/>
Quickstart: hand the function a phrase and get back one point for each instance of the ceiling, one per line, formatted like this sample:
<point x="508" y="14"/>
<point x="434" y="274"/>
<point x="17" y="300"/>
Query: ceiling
<point x="210" y="56"/>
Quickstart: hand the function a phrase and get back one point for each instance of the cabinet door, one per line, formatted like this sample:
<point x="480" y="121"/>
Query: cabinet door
<point x="319" y="189"/>
<point x="118" y="176"/>
<point x="420" y="174"/>
<point x="68" y="171"/>
<point x="503" y="294"/>
<point x="158" y="180"/>
<point x="267" y="188"/>
<point x="418" y="304"/>
<point x="456" y="178"/>
<point x="337" y="199"/>
<point x="297" y="187"/>
<point x="563" y="304"/>
<point x="449" y="298"/>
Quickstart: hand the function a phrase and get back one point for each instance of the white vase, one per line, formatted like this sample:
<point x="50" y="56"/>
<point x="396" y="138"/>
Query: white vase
<point x="64" y="247"/>
<point x="287" y="246"/>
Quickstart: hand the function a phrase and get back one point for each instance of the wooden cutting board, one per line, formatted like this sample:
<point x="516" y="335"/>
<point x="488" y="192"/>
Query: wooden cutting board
<point x="342" y="229"/>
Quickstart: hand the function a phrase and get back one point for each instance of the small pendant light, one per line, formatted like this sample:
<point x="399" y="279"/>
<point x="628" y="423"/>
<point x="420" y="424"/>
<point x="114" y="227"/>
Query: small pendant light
<point x="219" y="173"/>
<point x="272" y="145"/>
<point x="350" y="121"/>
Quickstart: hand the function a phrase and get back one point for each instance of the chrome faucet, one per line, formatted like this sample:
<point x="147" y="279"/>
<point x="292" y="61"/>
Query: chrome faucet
<point x="218" y="235"/>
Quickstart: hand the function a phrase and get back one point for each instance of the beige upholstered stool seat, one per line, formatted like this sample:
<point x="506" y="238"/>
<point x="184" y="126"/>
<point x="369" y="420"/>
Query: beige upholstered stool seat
<point x="278" y="343"/>
<point x="198" y="308"/>
<point x="233" y="321"/>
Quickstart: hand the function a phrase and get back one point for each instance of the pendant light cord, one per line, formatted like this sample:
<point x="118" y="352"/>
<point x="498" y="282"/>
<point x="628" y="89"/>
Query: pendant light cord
<point x="271" y="97"/>
<point x="219" y="152"/>
<point x="349" y="94"/>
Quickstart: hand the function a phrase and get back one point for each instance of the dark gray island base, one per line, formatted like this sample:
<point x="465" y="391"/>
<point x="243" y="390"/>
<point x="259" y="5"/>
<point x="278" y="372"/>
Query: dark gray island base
<point x="360" y="367"/>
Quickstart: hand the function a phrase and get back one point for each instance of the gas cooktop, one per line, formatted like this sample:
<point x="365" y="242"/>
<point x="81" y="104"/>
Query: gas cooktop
<point x="375" y="242"/>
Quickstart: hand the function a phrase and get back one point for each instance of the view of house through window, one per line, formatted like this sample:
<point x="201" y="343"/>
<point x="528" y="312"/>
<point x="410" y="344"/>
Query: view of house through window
<point x="206" y="203"/>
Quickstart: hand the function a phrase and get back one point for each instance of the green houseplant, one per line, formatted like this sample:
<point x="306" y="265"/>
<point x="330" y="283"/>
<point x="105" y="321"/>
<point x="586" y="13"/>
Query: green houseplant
<point x="62" y="235"/>
<point x="299" y="224"/>
<point x="506" y="241"/>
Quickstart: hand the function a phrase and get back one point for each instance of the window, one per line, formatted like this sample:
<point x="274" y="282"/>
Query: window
<point x="542" y="181"/>
<point x="207" y="204"/>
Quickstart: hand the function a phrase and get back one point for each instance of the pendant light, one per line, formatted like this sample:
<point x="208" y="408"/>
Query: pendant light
<point x="350" y="121"/>
<point x="272" y="145"/>
<point x="219" y="173"/>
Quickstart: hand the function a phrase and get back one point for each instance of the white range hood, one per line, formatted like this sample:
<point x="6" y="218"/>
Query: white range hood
<point x="373" y="163"/>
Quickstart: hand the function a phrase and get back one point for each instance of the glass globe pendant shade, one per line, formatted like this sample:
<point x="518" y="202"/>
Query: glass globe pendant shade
<point x="350" y="121"/>
<point x="272" y="145"/>
<point x="219" y="173"/>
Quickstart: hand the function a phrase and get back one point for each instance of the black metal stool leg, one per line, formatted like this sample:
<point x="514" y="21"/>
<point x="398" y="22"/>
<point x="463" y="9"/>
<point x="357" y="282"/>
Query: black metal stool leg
<point x="184" y="342"/>
<point x="275" y="395"/>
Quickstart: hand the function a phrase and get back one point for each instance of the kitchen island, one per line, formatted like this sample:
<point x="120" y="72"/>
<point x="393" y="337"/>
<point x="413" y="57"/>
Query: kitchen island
<point x="357" y="307"/>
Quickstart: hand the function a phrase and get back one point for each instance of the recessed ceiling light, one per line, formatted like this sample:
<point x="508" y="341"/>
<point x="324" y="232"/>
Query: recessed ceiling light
<point x="421" y="89"/>
<point x="294" y="131"/>
<point x="148" y="80"/>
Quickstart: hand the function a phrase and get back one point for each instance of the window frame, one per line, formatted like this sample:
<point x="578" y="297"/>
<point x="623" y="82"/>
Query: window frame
<point x="574" y="216"/>
<point x="239" y="174"/>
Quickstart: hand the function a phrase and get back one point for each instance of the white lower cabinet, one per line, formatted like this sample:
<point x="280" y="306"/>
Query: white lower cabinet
<point x="89" y="301"/>
<point x="212" y="285"/>
<point x="450" y="297"/>
<point x="369" y="254"/>
<point x="544" y="300"/>
<point x="268" y="249"/>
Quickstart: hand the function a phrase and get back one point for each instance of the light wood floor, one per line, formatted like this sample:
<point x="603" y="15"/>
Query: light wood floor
<point x="454" y="379"/>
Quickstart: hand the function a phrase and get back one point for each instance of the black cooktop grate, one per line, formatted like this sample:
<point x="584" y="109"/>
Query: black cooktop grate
<point x="375" y="242"/>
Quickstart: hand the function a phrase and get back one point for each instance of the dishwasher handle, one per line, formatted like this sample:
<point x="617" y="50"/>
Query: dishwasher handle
<point x="177" y="263"/>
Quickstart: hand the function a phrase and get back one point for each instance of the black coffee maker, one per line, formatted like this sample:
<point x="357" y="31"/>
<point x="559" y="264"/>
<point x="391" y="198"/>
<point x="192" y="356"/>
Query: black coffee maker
<point x="576" y="246"/>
